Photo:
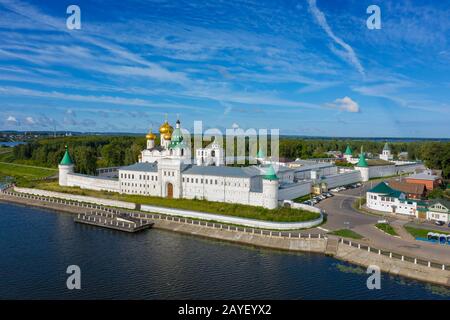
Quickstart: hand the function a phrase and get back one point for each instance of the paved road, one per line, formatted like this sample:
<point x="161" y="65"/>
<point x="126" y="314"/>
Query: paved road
<point x="341" y="214"/>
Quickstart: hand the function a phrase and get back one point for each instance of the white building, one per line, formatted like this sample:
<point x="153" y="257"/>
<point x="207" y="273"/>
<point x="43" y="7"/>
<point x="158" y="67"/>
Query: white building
<point x="384" y="198"/>
<point x="167" y="170"/>
<point x="386" y="153"/>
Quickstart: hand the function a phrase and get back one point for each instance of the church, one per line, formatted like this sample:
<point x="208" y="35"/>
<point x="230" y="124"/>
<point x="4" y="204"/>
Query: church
<point x="166" y="170"/>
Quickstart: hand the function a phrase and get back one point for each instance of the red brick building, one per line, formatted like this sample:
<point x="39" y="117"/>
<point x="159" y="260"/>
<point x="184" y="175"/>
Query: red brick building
<point x="430" y="181"/>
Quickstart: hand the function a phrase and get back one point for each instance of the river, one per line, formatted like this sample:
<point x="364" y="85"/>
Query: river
<point x="37" y="246"/>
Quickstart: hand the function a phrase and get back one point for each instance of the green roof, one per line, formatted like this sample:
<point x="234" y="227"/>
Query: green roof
<point x="270" y="174"/>
<point x="383" y="188"/>
<point x="386" y="147"/>
<point x="362" y="161"/>
<point x="260" y="154"/>
<point x="348" y="151"/>
<point x="177" y="136"/>
<point x="66" y="160"/>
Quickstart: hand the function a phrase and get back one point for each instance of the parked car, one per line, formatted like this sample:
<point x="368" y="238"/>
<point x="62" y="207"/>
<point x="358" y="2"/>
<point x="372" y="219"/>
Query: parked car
<point x="359" y="184"/>
<point x="307" y="202"/>
<point x="439" y="223"/>
<point x="329" y="195"/>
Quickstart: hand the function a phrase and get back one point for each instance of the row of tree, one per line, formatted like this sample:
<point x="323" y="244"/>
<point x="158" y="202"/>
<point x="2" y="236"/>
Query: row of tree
<point x="92" y="152"/>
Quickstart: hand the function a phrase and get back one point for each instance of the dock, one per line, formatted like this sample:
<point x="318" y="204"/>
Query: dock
<point x="117" y="221"/>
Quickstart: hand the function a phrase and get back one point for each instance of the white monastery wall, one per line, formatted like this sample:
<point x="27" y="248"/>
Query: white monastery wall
<point x="92" y="182"/>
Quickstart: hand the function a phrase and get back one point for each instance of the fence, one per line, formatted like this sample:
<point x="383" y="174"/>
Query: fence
<point x="221" y="226"/>
<point x="157" y="216"/>
<point x="394" y="255"/>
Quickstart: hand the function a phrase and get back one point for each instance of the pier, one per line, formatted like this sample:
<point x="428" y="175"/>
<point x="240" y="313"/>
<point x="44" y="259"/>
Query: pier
<point x="116" y="221"/>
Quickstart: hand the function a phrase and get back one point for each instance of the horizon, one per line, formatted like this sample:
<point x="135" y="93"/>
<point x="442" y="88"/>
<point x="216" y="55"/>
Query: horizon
<point x="310" y="68"/>
<point x="106" y="133"/>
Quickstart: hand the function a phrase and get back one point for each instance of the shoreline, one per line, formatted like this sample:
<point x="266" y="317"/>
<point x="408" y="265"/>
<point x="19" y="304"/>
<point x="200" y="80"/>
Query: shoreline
<point x="339" y="248"/>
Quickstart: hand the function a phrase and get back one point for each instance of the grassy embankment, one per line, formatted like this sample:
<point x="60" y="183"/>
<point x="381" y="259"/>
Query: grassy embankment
<point x="21" y="173"/>
<point x="347" y="233"/>
<point x="302" y="198"/>
<point x="422" y="233"/>
<point x="386" y="228"/>
<point x="238" y="210"/>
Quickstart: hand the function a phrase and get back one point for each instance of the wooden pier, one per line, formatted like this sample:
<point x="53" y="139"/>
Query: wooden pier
<point x="117" y="221"/>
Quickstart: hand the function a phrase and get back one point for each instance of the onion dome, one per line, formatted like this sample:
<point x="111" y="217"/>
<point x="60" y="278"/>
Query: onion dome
<point x="177" y="136"/>
<point x="66" y="160"/>
<point x="165" y="128"/>
<point x="150" y="135"/>
<point x="167" y="136"/>
<point x="270" y="174"/>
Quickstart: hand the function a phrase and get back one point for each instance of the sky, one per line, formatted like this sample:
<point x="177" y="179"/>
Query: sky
<point x="306" y="67"/>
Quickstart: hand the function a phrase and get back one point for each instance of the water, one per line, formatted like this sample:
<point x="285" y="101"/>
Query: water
<point x="11" y="143"/>
<point x="37" y="246"/>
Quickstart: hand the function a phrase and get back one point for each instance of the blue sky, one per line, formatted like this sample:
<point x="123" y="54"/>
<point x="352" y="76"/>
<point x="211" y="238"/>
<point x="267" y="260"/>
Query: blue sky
<point x="307" y="67"/>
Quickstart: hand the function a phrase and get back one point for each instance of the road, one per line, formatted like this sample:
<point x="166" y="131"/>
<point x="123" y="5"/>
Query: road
<point x="341" y="214"/>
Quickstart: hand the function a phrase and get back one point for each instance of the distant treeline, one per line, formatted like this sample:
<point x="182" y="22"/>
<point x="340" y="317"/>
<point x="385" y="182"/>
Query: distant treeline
<point x="92" y="152"/>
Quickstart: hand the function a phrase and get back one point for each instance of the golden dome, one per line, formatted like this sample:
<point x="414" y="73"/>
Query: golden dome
<point x="165" y="128"/>
<point x="167" y="136"/>
<point x="150" y="136"/>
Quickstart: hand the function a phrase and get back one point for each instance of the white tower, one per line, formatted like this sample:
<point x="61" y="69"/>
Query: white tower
<point x="270" y="189"/>
<point x="386" y="153"/>
<point x="65" y="167"/>
<point x="150" y="140"/>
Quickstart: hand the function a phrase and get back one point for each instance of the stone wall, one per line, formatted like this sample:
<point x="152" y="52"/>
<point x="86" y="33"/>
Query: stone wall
<point x="93" y="182"/>
<point x="295" y="190"/>
<point x="233" y="220"/>
<point x="342" y="179"/>
<point x="73" y="197"/>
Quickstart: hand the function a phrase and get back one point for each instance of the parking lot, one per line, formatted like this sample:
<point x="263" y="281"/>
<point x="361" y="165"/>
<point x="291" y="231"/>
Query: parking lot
<point x="325" y="195"/>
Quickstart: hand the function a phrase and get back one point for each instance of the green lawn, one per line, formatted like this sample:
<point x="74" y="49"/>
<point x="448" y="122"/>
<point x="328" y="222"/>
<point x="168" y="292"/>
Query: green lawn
<point x="347" y="233"/>
<point x="386" y="228"/>
<point x="280" y="214"/>
<point x="302" y="199"/>
<point x="422" y="233"/>
<point x="24" y="172"/>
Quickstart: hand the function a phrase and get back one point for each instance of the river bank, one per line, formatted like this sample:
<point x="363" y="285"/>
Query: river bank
<point x="339" y="248"/>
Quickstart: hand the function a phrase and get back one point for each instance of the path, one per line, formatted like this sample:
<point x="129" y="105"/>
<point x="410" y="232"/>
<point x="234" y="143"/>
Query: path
<point x="341" y="214"/>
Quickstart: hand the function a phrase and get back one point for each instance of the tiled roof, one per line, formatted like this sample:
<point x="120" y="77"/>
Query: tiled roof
<point x="223" y="171"/>
<point x="423" y="176"/>
<point x="407" y="187"/>
<point x="141" y="166"/>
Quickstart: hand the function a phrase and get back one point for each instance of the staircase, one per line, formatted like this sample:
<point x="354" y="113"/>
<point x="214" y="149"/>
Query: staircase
<point x="332" y="245"/>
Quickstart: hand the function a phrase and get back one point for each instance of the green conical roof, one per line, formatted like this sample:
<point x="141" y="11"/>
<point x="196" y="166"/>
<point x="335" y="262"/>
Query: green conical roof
<point x="386" y="147"/>
<point x="362" y="160"/>
<point x="66" y="160"/>
<point x="348" y="151"/>
<point x="260" y="154"/>
<point x="270" y="174"/>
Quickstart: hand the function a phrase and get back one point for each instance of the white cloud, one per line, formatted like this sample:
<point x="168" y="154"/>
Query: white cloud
<point x="349" y="53"/>
<point x="12" y="120"/>
<point x="345" y="104"/>
<point x="30" y="121"/>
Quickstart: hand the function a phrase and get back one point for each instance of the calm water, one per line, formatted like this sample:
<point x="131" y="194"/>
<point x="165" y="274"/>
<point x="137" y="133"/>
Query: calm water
<point x="11" y="143"/>
<point x="36" y="246"/>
